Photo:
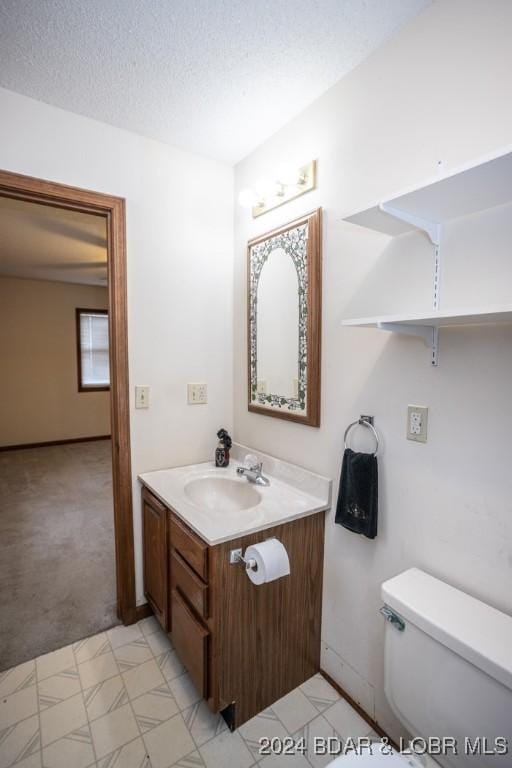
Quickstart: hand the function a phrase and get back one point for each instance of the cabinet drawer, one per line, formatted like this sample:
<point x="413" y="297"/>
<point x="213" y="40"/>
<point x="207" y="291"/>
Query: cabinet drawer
<point x="190" y="639"/>
<point x="185" y="581"/>
<point x="191" y="548"/>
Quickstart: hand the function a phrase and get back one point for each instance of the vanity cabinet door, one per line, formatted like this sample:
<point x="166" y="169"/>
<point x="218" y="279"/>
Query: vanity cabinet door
<point x="154" y="526"/>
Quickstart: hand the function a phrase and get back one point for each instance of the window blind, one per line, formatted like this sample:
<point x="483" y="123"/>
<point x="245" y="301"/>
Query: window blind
<point x="94" y="350"/>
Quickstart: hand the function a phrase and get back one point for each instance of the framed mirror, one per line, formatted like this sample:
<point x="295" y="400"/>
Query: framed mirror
<point x="284" y="271"/>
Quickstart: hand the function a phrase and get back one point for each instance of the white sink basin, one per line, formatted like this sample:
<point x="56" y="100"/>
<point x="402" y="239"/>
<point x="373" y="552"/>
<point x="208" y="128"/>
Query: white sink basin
<point x="219" y="505"/>
<point x="222" y="494"/>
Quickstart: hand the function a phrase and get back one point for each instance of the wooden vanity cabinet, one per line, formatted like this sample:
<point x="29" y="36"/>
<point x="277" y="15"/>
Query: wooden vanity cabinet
<point x="244" y="646"/>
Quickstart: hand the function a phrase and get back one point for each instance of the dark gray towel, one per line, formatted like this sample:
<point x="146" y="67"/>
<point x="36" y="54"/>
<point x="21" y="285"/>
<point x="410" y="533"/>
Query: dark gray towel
<point x="358" y="494"/>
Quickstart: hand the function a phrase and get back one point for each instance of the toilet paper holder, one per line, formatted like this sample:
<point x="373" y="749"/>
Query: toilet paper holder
<point x="236" y="557"/>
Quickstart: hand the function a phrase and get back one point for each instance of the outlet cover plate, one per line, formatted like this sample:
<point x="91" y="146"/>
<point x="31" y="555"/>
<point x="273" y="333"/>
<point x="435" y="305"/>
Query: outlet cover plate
<point x="197" y="394"/>
<point x="417" y="423"/>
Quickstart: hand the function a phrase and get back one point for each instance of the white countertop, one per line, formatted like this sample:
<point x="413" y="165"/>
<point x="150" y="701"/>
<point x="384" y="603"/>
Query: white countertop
<point x="280" y="502"/>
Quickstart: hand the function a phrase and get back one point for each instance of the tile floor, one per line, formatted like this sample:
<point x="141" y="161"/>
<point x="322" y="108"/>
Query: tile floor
<point x="121" y="699"/>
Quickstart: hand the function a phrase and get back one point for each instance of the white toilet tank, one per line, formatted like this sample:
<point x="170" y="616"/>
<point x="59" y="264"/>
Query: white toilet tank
<point x="448" y="673"/>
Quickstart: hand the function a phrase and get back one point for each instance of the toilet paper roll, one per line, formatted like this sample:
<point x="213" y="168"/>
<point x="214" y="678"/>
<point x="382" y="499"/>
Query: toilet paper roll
<point x="271" y="560"/>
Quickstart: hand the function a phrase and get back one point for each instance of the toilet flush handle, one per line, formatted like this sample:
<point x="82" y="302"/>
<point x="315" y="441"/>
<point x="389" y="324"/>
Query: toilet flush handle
<point x="393" y="618"/>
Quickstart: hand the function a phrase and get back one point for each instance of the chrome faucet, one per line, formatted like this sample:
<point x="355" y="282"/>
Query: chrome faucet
<point x="253" y="474"/>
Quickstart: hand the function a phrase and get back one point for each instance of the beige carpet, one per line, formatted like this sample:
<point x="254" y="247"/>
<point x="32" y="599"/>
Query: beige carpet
<point x="57" y="567"/>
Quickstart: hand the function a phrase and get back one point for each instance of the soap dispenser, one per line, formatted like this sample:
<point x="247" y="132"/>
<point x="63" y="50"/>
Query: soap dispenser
<point x="222" y="450"/>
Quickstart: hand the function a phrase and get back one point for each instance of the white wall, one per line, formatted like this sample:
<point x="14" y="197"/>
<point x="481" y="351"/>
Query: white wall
<point x="180" y="250"/>
<point x="438" y="91"/>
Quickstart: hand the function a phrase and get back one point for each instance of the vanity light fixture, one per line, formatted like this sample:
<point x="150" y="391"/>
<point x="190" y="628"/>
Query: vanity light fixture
<point x="289" y="184"/>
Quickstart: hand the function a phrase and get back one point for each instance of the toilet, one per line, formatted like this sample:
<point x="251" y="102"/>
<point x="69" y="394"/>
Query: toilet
<point x="448" y="674"/>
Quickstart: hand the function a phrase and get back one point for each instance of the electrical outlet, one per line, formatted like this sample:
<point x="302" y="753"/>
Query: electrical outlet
<point x="142" y="396"/>
<point x="417" y="420"/>
<point x="197" y="394"/>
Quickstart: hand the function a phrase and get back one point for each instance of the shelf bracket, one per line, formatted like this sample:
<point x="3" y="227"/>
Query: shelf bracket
<point x="433" y="231"/>
<point x="431" y="228"/>
<point x="429" y="334"/>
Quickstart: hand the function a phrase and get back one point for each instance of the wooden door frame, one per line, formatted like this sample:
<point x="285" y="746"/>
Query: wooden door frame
<point x="113" y="210"/>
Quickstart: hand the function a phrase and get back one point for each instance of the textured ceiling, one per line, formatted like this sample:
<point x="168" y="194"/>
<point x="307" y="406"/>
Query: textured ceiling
<point x="46" y="243"/>
<point x="216" y="77"/>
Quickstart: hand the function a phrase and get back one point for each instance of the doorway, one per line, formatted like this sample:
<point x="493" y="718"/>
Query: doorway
<point x="110" y="212"/>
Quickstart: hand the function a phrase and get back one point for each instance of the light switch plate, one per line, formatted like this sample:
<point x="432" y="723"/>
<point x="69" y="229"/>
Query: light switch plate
<point x="197" y="394"/>
<point x="142" y="396"/>
<point x="417" y="422"/>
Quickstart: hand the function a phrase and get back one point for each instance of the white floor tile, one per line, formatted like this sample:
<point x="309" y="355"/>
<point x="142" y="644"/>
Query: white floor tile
<point x="91" y="647"/>
<point x="73" y="750"/>
<point x="19" y="742"/>
<point x="202" y="723"/>
<point x="159" y="643"/>
<point x="113" y="731"/>
<point x="121" y="635"/>
<point x="168" y="743"/>
<point x="284" y="761"/>
<point x="183" y="691"/>
<point x="61" y="719"/>
<point x="193" y="760"/>
<point x="152" y="695"/>
<point x="321" y="740"/>
<point x="319" y="692"/>
<point x="154" y="707"/>
<point x="98" y="669"/>
<point x="18" y="706"/>
<point x="105" y="697"/>
<point x="132" y="755"/>
<point x="58" y="687"/>
<point x="32" y="761"/>
<point x="143" y="678"/>
<point x="132" y="654"/>
<point x="16" y="678"/>
<point x="347" y="722"/>
<point x="55" y="662"/>
<point x="267" y="724"/>
<point x="294" y="710"/>
<point x="149" y="626"/>
<point x="227" y="749"/>
<point x="170" y="665"/>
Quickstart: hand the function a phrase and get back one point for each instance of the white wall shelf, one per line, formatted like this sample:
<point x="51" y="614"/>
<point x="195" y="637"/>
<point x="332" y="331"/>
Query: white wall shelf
<point x="466" y="191"/>
<point x="427" y="326"/>
<point x="495" y="315"/>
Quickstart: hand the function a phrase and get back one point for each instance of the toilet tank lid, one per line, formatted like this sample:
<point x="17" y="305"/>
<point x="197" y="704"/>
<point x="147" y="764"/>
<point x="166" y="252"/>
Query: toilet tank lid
<point x="474" y="630"/>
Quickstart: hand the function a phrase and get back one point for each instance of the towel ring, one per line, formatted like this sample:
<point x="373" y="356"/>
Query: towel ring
<point x="364" y="422"/>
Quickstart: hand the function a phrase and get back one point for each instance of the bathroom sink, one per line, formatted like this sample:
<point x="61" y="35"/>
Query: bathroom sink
<point x="221" y="494"/>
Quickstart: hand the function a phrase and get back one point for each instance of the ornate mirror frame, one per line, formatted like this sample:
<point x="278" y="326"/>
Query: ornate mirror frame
<point x="302" y="240"/>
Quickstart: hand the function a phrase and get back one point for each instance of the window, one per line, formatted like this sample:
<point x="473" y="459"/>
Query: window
<point x="92" y="349"/>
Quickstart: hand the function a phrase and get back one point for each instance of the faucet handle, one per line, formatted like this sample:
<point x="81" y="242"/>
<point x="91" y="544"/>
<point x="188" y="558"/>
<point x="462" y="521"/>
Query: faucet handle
<point x="250" y="461"/>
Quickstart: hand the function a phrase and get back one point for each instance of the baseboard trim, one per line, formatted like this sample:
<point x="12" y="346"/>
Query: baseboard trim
<point x="360" y="711"/>
<point x="54" y="442"/>
<point x="143" y="611"/>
